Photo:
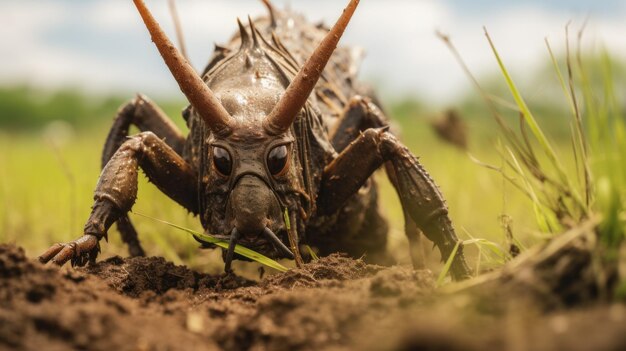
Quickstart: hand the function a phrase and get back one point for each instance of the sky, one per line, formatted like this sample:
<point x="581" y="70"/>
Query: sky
<point x="101" y="46"/>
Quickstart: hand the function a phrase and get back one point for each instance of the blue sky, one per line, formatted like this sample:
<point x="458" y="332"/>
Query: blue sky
<point x="102" y="46"/>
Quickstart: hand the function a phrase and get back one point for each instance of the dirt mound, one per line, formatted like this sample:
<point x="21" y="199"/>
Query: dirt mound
<point x="307" y="308"/>
<point x="44" y="308"/>
<point x="148" y="303"/>
<point x="141" y="277"/>
<point x="335" y="303"/>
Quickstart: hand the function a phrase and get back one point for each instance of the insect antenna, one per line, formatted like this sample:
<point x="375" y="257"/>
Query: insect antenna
<point x="297" y="94"/>
<point x="204" y="102"/>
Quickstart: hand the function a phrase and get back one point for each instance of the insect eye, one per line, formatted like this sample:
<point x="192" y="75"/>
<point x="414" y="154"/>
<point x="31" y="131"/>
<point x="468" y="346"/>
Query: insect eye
<point x="221" y="160"/>
<point x="277" y="160"/>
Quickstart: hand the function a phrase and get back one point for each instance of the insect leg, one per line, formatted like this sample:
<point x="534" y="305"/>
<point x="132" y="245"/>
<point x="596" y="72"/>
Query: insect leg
<point x="418" y="193"/>
<point x="147" y="116"/>
<point x="361" y="114"/>
<point x="116" y="192"/>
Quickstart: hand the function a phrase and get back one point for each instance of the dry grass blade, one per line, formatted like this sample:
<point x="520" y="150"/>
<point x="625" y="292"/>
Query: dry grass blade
<point x="510" y="179"/>
<point x="580" y="133"/>
<point x="179" y="28"/>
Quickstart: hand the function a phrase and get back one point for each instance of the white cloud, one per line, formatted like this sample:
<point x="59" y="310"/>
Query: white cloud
<point x="398" y="35"/>
<point x="21" y="39"/>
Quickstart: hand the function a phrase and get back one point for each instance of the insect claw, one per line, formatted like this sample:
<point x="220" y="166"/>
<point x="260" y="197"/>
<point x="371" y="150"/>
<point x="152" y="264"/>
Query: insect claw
<point x="50" y="253"/>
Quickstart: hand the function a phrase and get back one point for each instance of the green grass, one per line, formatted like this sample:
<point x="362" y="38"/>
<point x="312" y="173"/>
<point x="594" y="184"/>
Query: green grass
<point x="569" y="187"/>
<point x="210" y="239"/>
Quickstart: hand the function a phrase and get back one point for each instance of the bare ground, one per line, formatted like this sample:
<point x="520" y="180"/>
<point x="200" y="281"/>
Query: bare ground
<point x="335" y="303"/>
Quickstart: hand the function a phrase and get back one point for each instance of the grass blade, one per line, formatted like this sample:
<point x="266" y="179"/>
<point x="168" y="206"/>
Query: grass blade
<point x="241" y="250"/>
<point x="536" y="129"/>
<point x="446" y="267"/>
<point x="312" y="253"/>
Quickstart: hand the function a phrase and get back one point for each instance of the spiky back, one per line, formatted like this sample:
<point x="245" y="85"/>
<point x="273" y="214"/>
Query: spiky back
<point x="287" y="39"/>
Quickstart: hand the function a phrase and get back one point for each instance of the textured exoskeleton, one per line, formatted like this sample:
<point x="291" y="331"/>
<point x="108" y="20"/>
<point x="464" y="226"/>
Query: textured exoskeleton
<point x="278" y="125"/>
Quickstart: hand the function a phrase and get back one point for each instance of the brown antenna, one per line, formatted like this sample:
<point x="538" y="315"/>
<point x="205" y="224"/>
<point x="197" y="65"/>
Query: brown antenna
<point x="297" y="94"/>
<point x="197" y="92"/>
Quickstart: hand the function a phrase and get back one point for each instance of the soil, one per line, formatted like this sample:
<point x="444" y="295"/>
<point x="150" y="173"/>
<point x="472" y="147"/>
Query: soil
<point x="335" y="303"/>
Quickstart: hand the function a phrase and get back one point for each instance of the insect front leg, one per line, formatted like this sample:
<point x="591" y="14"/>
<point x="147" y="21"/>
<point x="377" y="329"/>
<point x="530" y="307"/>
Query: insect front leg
<point x="148" y="117"/>
<point x="116" y="192"/>
<point x="418" y="193"/>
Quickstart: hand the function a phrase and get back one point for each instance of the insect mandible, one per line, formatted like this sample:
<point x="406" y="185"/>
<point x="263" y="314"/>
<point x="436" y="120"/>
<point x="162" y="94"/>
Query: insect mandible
<point x="279" y="126"/>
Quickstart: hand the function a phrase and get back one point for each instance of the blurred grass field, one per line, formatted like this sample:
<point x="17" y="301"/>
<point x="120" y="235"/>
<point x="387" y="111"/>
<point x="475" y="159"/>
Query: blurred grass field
<point x="50" y="162"/>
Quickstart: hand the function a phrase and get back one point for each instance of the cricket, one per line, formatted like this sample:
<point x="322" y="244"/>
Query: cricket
<point x="288" y="195"/>
<point x="263" y="143"/>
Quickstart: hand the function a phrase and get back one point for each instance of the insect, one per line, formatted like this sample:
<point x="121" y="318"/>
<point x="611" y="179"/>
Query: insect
<point x="282" y="145"/>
